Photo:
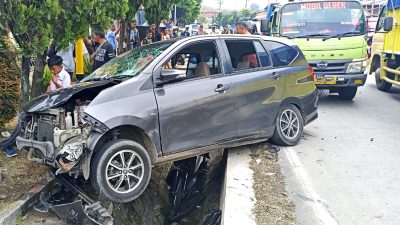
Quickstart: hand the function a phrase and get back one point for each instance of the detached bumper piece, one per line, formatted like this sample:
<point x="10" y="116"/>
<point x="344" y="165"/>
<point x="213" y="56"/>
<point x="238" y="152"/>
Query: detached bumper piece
<point x="72" y="205"/>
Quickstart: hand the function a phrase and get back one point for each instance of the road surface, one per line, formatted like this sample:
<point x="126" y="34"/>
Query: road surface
<point x="346" y="170"/>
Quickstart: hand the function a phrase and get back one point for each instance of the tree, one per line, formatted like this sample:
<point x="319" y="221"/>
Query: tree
<point x="191" y="10"/>
<point x="29" y="22"/>
<point x="246" y="14"/>
<point x="35" y="22"/>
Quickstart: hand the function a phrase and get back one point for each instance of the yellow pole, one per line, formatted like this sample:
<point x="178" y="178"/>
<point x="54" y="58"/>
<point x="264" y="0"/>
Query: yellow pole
<point x="79" y="71"/>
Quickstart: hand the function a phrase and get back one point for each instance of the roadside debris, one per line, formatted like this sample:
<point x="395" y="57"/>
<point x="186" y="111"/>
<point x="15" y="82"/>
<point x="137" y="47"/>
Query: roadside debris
<point x="273" y="205"/>
<point x="71" y="204"/>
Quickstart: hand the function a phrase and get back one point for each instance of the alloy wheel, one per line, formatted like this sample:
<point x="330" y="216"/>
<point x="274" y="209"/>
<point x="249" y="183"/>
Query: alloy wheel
<point x="124" y="171"/>
<point x="289" y="124"/>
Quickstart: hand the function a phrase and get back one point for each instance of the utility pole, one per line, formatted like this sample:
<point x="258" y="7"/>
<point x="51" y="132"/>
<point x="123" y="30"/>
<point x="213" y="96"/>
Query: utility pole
<point x="246" y="4"/>
<point x="220" y="4"/>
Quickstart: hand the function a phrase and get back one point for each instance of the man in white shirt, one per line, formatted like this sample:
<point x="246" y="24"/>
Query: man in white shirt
<point x="60" y="78"/>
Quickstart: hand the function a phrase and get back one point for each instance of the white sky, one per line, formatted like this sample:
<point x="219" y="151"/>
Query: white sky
<point x="239" y="4"/>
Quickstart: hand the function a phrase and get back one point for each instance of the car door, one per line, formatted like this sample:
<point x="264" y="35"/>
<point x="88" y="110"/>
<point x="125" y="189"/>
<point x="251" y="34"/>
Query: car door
<point x="198" y="111"/>
<point x="257" y="86"/>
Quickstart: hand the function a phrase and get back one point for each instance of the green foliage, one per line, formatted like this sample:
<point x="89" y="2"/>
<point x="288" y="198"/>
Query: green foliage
<point x="9" y="81"/>
<point x="46" y="76"/>
<point x="225" y="18"/>
<point x="191" y="10"/>
<point x="76" y="16"/>
<point x="156" y="10"/>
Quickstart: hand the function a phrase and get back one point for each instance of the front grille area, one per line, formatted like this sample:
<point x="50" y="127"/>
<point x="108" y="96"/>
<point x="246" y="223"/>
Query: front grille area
<point x="335" y="67"/>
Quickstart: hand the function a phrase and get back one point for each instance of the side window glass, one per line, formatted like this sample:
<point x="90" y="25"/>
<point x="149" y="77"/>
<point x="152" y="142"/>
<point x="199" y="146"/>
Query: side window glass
<point x="281" y="55"/>
<point x="379" y="24"/>
<point x="194" y="61"/>
<point x="262" y="54"/>
<point x="243" y="54"/>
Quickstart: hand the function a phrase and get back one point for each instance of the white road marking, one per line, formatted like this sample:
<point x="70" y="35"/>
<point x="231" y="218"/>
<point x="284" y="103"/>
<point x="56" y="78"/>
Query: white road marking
<point x="319" y="209"/>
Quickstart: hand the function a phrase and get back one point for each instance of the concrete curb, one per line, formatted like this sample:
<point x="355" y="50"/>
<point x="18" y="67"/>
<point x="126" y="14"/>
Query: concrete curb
<point x="237" y="194"/>
<point x="10" y="214"/>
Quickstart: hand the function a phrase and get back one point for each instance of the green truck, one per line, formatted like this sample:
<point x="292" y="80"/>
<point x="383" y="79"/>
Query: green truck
<point x="333" y="37"/>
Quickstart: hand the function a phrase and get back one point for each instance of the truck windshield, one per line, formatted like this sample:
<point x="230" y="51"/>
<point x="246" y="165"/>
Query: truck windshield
<point x="129" y="64"/>
<point x="319" y="19"/>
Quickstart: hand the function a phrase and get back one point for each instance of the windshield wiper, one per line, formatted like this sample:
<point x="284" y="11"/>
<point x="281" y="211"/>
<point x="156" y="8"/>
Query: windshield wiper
<point x="120" y="77"/>
<point x="308" y="36"/>
<point x="341" y="35"/>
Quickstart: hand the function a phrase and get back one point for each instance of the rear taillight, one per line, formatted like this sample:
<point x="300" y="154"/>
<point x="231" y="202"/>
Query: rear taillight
<point x="311" y="71"/>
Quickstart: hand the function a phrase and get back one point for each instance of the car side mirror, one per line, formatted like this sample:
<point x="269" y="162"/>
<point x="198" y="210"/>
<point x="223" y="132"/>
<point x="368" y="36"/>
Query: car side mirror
<point x="388" y="24"/>
<point x="169" y="75"/>
<point x="264" y="26"/>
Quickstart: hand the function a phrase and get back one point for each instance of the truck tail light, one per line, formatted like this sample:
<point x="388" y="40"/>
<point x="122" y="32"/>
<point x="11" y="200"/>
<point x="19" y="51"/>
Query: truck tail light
<point x="311" y="71"/>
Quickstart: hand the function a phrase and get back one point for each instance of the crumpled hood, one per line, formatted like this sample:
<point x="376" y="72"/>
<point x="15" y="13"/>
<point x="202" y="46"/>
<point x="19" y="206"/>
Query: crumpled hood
<point x="57" y="98"/>
<point x="317" y="44"/>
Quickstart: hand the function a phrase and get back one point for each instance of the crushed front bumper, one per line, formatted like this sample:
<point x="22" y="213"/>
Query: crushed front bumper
<point x="46" y="149"/>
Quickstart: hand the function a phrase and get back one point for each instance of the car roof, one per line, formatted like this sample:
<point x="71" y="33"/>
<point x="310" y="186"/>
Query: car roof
<point x="236" y="36"/>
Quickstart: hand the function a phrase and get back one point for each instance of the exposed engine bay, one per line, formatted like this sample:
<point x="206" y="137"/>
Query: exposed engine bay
<point x="57" y="136"/>
<point x="65" y="129"/>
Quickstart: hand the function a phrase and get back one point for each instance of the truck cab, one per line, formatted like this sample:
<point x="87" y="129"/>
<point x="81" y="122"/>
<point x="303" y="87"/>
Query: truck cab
<point x="332" y="36"/>
<point x="385" y="60"/>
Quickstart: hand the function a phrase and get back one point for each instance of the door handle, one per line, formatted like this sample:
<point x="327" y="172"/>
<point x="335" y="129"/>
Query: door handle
<point x="221" y="88"/>
<point x="275" y="76"/>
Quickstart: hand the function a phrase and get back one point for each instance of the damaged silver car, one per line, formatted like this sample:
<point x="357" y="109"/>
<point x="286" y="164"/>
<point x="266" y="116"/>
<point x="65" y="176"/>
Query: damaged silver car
<point x="168" y="101"/>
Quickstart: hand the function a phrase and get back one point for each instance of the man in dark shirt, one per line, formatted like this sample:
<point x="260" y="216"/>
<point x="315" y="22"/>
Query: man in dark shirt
<point x="156" y="34"/>
<point x="104" y="53"/>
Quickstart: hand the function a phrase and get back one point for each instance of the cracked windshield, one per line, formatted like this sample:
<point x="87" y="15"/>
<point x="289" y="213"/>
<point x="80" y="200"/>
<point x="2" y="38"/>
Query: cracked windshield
<point x="130" y="64"/>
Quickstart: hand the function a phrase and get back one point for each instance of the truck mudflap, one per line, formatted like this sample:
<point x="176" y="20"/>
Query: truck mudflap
<point x="347" y="80"/>
<point x="71" y="204"/>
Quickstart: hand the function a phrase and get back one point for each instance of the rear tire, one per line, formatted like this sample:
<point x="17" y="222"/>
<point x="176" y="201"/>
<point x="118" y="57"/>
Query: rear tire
<point x="347" y="93"/>
<point x="382" y="85"/>
<point x="289" y="125"/>
<point x="120" y="171"/>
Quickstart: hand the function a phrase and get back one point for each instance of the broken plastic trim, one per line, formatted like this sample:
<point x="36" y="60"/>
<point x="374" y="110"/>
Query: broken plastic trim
<point x="71" y="204"/>
<point x="96" y="125"/>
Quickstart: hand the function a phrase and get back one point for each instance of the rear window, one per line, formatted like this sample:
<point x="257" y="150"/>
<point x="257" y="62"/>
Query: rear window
<point x="281" y="55"/>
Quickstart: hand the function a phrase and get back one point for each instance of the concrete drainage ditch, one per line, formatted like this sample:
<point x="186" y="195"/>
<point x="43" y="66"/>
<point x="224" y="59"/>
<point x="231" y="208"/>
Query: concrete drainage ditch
<point x="185" y="192"/>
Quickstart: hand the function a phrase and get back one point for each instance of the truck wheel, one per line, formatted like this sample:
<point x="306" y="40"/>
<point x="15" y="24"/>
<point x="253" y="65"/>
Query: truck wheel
<point x="347" y="93"/>
<point x="289" y="126"/>
<point x="120" y="171"/>
<point x="381" y="84"/>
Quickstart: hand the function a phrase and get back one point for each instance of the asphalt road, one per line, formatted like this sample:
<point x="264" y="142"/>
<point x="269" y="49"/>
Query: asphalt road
<point x="346" y="170"/>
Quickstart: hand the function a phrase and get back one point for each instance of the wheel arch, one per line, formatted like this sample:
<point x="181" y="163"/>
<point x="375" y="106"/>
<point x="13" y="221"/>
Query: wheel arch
<point x="292" y="101"/>
<point x="129" y="132"/>
<point x="376" y="61"/>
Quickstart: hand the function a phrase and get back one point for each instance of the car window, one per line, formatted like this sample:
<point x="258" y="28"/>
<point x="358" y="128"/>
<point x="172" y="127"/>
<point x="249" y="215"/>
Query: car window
<point x="196" y="60"/>
<point x="281" y="55"/>
<point x="379" y="24"/>
<point x="262" y="54"/>
<point x="242" y="54"/>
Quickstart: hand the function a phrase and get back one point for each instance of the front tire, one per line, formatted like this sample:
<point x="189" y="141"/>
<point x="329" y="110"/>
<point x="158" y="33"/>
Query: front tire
<point x="347" y="93"/>
<point x="382" y="85"/>
<point x="289" y="125"/>
<point x="121" y="170"/>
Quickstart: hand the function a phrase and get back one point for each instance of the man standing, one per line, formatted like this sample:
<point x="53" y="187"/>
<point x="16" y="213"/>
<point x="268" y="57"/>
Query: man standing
<point x="242" y="28"/>
<point x="104" y="53"/>
<point x="201" y="31"/>
<point x="135" y="38"/>
<point x="60" y="78"/>
<point x="111" y="36"/>
<point x="213" y="31"/>
<point x="186" y="32"/>
<point x="156" y="34"/>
